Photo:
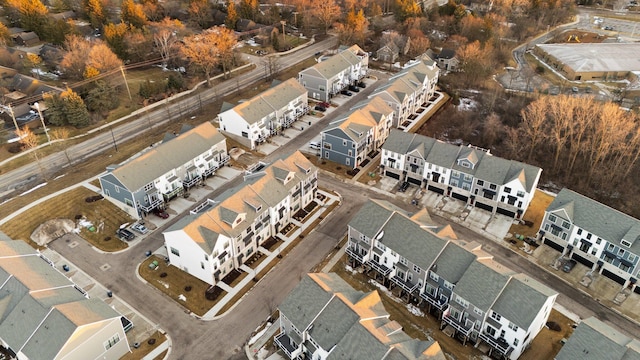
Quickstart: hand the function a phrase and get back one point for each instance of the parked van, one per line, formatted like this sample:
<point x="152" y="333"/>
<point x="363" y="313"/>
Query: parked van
<point x="314" y="145"/>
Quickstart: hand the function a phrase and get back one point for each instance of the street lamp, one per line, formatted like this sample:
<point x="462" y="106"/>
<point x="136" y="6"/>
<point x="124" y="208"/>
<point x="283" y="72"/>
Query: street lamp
<point x="283" y="39"/>
<point x="46" y="132"/>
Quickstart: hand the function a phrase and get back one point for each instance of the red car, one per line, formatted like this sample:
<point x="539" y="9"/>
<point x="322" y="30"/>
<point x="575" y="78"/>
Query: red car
<point x="161" y="213"/>
<point x="325" y="104"/>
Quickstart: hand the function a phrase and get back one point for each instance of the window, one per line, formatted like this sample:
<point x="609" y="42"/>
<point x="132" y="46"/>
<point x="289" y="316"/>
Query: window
<point x="455" y="174"/>
<point x="416" y="269"/>
<point x="566" y="225"/>
<point x="448" y="285"/>
<point x="477" y="311"/>
<point x="491" y="331"/>
<point x="206" y="257"/>
<point x="344" y="142"/>
<point x="552" y="218"/>
<point x="513" y="326"/>
<point x="515" y="342"/>
<point x="492" y="186"/>
<point x="454" y="182"/>
<point x="631" y="257"/>
<point x="403" y="261"/>
<point x="564" y="236"/>
<point x="462" y="301"/>
<point x="588" y="236"/>
<point x="111" y="342"/>
<point x="611" y="247"/>
<point x="480" y="182"/>
<point x="520" y="193"/>
<point x="175" y="251"/>
<point x="434" y="276"/>
<point x="625" y="243"/>
<point x="594" y="251"/>
<point x="381" y="246"/>
<point x="467" y="177"/>
<point x="624" y="267"/>
<point x="347" y="161"/>
<point x="507" y="190"/>
<point x="621" y="252"/>
<point x="496" y="316"/>
<point x="579" y="231"/>
<point x="598" y="241"/>
<point x="466" y="186"/>
<point x="201" y="265"/>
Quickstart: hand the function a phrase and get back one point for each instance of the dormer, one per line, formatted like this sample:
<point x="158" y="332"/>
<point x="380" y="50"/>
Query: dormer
<point x="631" y="236"/>
<point x="231" y="217"/>
<point x="468" y="159"/>
<point x="283" y="175"/>
<point x="257" y="206"/>
<point x="305" y="169"/>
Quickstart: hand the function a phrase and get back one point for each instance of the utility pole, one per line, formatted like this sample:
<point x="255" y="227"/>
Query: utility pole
<point x="13" y="117"/>
<point x="283" y="39"/>
<point x="115" y="145"/>
<point x="46" y="132"/>
<point x="125" y="82"/>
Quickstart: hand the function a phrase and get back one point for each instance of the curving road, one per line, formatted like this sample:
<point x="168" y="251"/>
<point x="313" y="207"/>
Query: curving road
<point x="29" y="175"/>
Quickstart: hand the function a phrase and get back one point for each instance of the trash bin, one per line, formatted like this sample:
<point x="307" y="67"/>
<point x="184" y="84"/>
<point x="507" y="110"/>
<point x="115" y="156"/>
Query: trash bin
<point x="109" y="293"/>
<point x="65" y="267"/>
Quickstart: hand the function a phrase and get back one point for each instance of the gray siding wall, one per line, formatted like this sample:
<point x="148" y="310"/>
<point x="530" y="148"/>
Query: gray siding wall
<point x="460" y="179"/>
<point x="339" y="152"/>
<point x="116" y="192"/>
<point x="313" y="84"/>
<point x="414" y="165"/>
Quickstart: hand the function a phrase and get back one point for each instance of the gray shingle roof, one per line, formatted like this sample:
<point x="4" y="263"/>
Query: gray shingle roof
<point x="370" y="219"/>
<point x="595" y="340"/>
<point x="453" y="262"/>
<point x="350" y="323"/>
<point x="157" y="161"/>
<point x="40" y="309"/>
<point x="521" y="300"/>
<point x="334" y="65"/>
<point x="489" y="168"/>
<point x="481" y="284"/>
<point x="597" y="218"/>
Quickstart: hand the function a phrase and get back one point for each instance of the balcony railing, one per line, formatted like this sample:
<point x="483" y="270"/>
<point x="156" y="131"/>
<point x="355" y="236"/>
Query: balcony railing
<point x="433" y="300"/>
<point x="456" y="325"/>
<point x="284" y="343"/>
<point x="381" y="269"/>
<point x="224" y="159"/>
<point x="405" y="285"/>
<point x="500" y="344"/>
<point x="210" y="170"/>
<point x="191" y="181"/>
<point x="153" y="203"/>
<point x="173" y="193"/>
<point x="354" y="254"/>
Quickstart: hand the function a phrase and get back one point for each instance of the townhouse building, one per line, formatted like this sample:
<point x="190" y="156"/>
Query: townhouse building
<point x="479" y="299"/>
<point x="328" y="77"/>
<point x="223" y="234"/>
<point x="357" y="134"/>
<point x="324" y="318"/>
<point x="151" y="179"/>
<point x="466" y="173"/>
<point x="45" y="316"/>
<point x="257" y="119"/>
<point x="603" y="239"/>
<point x="594" y="340"/>
<point x="407" y="90"/>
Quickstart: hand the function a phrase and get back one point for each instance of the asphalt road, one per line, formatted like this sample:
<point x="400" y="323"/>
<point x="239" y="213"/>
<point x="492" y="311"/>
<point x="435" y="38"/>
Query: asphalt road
<point x="29" y="175"/>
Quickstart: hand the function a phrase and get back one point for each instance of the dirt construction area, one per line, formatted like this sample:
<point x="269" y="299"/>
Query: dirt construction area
<point x="577" y="36"/>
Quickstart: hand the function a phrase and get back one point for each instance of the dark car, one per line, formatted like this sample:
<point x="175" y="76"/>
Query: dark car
<point x="569" y="265"/>
<point x="404" y="186"/>
<point x="125" y="234"/>
<point x="161" y="213"/>
<point x="354" y="88"/>
<point x="361" y="84"/>
<point x="320" y="108"/>
<point x="324" y="104"/>
<point x="345" y="92"/>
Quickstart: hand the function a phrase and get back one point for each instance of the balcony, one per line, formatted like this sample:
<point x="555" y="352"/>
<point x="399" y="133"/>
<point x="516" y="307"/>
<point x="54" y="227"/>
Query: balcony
<point x="405" y="285"/>
<point x="153" y="203"/>
<point x="438" y="302"/>
<point x="500" y="344"/>
<point x="381" y="269"/>
<point x="284" y="343"/>
<point x="173" y="193"/>
<point x="354" y="254"/>
<point x="456" y="325"/>
<point x="191" y="181"/>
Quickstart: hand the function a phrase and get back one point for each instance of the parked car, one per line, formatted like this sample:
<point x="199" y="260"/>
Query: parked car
<point x="324" y="104"/>
<point x="314" y="145"/>
<point x="139" y="228"/>
<point x="569" y="265"/>
<point x="354" y="88"/>
<point x="608" y="27"/>
<point x="361" y="84"/>
<point x="161" y="213"/>
<point x="320" y="108"/>
<point x="404" y="186"/>
<point x="346" y="92"/>
<point x="125" y="234"/>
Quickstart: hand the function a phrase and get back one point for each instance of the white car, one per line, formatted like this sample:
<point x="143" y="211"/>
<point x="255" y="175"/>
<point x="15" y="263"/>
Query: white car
<point x="140" y="228"/>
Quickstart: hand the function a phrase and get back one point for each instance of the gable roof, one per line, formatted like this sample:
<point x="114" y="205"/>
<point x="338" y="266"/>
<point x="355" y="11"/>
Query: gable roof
<point x="409" y="80"/>
<point x="596" y="218"/>
<point x="482" y="283"/>
<point x="595" y="340"/>
<point x="489" y="168"/>
<point x="336" y="64"/>
<point x="350" y="323"/>
<point x="269" y="101"/>
<point x="173" y="152"/>
<point x="356" y="123"/>
<point x="248" y="200"/>
<point x="522" y="299"/>
<point x="453" y="262"/>
<point x="40" y="308"/>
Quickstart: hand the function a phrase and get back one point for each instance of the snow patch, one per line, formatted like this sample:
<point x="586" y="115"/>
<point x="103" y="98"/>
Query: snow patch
<point x="414" y="310"/>
<point x="34" y="188"/>
<point x="85" y="223"/>
<point x="259" y="334"/>
<point x="384" y="290"/>
<point x="182" y="297"/>
<point x="59" y="176"/>
<point x="350" y="269"/>
<point x="467" y="104"/>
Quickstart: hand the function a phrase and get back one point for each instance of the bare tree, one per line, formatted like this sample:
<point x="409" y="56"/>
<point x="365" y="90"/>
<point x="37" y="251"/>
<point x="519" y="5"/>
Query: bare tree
<point x="532" y="126"/>
<point x="165" y="36"/>
<point x="30" y="141"/>
<point x="272" y="66"/>
<point x="61" y="134"/>
<point x="492" y="129"/>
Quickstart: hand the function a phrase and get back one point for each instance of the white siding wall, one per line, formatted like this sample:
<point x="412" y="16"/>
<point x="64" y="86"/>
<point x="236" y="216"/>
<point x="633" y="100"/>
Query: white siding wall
<point x="94" y="336"/>
<point x="192" y="255"/>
